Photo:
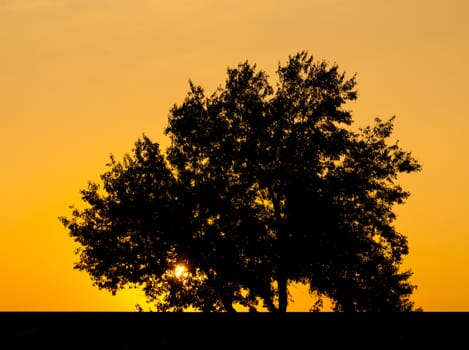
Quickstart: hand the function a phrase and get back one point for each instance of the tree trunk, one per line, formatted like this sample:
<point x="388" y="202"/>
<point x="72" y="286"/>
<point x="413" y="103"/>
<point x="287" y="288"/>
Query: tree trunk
<point x="227" y="301"/>
<point x="229" y="307"/>
<point x="282" y="293"/>
<point x="281" y="273"/>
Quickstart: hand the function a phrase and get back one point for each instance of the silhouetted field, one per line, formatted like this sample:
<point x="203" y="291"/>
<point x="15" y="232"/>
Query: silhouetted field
<point x="243" y="330"/>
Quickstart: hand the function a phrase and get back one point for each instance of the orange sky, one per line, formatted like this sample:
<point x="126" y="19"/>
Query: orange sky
<point x="80" y="79"/>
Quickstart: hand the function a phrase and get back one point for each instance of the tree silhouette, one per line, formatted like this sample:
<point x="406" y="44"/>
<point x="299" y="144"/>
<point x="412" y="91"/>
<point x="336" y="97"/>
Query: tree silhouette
<point x="260" y="187"/>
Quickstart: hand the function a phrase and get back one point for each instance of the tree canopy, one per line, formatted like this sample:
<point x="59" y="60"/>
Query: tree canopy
<point x="260" y="187"/>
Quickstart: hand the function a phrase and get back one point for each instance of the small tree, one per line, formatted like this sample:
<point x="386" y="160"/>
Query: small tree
<point x="260" y="187"/>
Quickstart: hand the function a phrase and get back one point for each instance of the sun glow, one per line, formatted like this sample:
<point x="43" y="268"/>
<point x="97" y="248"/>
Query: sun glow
<point x="180" y="271"/>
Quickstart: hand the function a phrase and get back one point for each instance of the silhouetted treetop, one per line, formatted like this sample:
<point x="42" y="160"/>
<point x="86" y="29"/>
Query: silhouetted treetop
<point x="260" y="187"/>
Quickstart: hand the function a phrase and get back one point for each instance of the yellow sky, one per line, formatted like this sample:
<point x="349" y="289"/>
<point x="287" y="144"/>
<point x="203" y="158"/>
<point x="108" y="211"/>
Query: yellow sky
<point x="80" y="79"/>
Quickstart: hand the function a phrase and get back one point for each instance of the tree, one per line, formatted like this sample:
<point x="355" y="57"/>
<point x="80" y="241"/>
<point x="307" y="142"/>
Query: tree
<point x="260" y="187"/>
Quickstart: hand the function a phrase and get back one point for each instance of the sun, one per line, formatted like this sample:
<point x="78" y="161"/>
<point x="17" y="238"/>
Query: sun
<point x="180" y="271"/>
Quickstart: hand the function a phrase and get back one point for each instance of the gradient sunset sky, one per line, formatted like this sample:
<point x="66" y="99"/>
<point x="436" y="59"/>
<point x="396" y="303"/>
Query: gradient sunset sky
<point x="81" y="79"/>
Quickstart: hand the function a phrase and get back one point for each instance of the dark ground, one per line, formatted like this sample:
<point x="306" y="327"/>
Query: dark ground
<point x="131" y="330"/>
